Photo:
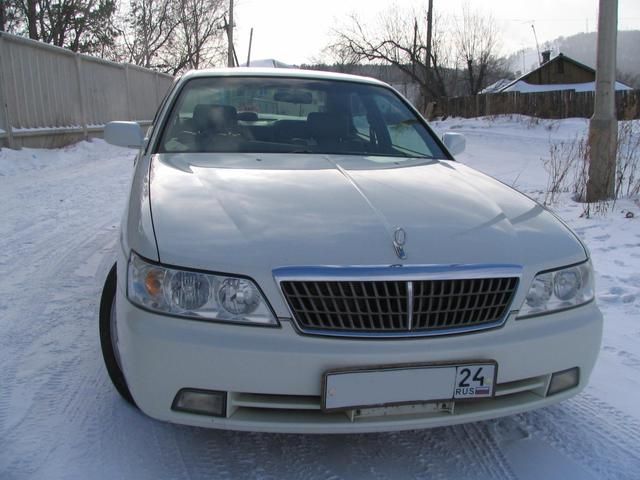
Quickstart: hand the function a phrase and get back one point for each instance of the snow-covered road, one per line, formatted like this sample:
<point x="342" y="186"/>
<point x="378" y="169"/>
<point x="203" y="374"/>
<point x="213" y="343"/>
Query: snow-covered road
<point x="61" y="419"/>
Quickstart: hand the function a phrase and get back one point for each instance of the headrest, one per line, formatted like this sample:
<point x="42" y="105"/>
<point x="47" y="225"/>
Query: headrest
<point x="215" y="118"/>
<point x="248" y="116"/>
<point x="328" y="125"/>
<point x="288" y="129"/>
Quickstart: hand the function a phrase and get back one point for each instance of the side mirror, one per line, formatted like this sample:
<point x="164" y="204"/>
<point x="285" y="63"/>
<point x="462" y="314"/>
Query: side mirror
<point x="124" y="134"/>
<point x="455" y="142"/>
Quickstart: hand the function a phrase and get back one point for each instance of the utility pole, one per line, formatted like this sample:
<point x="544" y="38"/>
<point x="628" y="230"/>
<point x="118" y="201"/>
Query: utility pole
<point x="230" y="57"/>
<point x="249" y="51"/>
<point x="535" y="35"/>
<point x="426" y="96"/>
<point x="427" y="60"/>
<point x="414" y="51"/>
<point x="603" y="127"/>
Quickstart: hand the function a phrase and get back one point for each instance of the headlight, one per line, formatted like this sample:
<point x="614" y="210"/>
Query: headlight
<point x="196" y="295"/>
<point x="559" y="289"/>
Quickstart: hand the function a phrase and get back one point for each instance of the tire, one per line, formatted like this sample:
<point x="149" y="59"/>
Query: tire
<point x="109" y="352"/>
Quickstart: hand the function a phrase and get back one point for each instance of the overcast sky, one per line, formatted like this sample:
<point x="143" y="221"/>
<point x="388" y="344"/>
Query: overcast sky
<point x="295" y="31"/>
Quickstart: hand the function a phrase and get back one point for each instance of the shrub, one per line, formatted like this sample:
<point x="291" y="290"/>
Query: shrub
<point x="568" y="168"/>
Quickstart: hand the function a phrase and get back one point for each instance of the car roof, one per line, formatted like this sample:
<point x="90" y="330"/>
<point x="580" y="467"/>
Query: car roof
<point x="279" y="72"/>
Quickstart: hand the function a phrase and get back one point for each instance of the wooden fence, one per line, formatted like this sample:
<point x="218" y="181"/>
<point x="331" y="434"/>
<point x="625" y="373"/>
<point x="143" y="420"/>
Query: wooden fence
<point x="558" y="104"/>
<point x="50" y="96"/>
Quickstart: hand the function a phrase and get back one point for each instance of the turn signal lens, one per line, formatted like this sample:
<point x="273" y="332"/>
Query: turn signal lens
<point x="153" y="282"/>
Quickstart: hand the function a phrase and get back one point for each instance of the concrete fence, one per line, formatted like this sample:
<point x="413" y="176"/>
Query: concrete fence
<point x="50" y="96"/>
<point x="556" y="104"/>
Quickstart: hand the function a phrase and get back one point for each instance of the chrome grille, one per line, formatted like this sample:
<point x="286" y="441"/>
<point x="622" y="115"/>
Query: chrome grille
<point x="458" y="303"/>
<point x="367" y="306"/>
<point x="399" y="307"/>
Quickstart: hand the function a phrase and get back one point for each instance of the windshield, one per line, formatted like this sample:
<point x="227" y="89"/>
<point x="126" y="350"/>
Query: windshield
<point x="290" y="115"/>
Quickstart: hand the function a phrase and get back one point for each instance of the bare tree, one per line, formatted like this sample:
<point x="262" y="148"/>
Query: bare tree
<point x="80" y="25"/>
<point x="476" y="42"/>
<point x="146" y="30"/>
<point x="26" y="13"/>
<point x="171" y="35"/>
<point x="75" y="24"/>
<point x="462" y="58"/>
<point x="341" y="57"/>
<point x="8" y="16"/>
<point x="25" y="17"/>
<point x="198" y="37"/>
<point x="630" y="78"/>
<point x="399" y="39"/>
<point x="166" y="35"/>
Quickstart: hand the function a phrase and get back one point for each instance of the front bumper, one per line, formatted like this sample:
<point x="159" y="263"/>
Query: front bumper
<point x="273" y="375"/>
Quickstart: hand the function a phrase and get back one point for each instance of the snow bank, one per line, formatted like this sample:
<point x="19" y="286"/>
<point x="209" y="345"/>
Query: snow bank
<point x="81" y="155"/>
<point x="524" y="87"/>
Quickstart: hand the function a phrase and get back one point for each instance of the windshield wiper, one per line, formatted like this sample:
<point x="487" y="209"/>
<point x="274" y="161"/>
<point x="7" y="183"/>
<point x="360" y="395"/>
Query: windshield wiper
<point x="409" y="155"/>
<point x="409" y="121"/>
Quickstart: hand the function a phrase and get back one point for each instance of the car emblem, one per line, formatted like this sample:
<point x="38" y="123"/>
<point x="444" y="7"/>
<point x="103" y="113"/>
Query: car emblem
<point x="399" y="239"/>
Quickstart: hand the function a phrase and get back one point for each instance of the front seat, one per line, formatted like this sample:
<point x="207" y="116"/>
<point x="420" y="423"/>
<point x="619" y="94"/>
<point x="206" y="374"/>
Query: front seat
<point x="216" y="127"/>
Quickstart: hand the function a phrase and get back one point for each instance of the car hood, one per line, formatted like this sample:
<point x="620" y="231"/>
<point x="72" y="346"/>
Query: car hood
<point x="245" y="214"/>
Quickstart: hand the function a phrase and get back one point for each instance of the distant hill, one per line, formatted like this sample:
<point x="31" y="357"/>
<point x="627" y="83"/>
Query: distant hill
<point x="582" y="47"/>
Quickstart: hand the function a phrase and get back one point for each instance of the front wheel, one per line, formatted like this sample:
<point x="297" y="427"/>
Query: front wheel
<point x="109" y="336"/>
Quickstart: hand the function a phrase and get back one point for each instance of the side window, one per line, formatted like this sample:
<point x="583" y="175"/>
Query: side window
<point x="154" y="122"/>
<point x="403" y="127"/>
<point x="359" y="115"/>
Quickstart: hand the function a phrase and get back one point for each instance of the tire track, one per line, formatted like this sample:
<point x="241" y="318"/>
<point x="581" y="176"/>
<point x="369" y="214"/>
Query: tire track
<point x="46" y="338"/>
<point x="455" y="452"/>
<point x="491" y="457"/>
<point x="60" y="387"/>
<point x="254" y="455"/>
<point x="591" y="432"/>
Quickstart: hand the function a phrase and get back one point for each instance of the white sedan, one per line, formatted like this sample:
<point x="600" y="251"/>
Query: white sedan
<point x="300" y="253"/>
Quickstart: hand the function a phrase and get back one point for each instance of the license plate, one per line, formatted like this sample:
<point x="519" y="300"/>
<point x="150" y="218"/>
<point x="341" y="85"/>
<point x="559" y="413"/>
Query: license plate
<point x="395" y="385"/>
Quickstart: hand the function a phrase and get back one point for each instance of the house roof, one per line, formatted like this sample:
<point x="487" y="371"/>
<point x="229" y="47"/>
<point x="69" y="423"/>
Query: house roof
<point x="524" y="87"/>
<point x="497" y="86"/>
<point x="560" y="56"/>
<point x="268" y="62"/>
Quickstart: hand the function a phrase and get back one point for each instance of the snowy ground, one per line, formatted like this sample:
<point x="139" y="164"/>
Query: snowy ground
<point x="60" y="417"/>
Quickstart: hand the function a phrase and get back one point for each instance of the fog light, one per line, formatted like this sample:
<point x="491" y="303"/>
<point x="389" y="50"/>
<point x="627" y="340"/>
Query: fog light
<point x="564" y="380"/>
<point x="201" y="402"/>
